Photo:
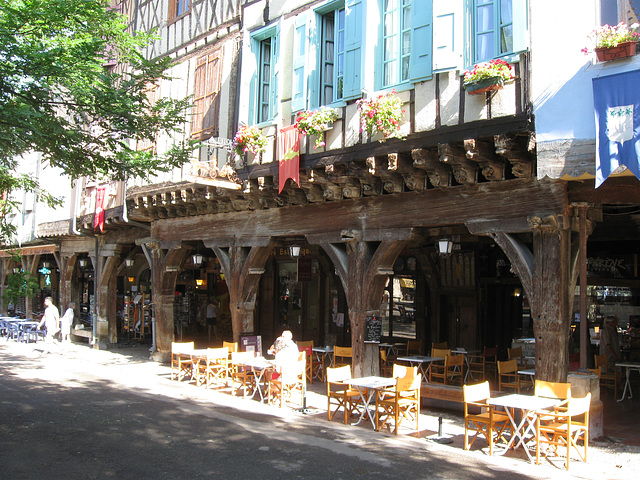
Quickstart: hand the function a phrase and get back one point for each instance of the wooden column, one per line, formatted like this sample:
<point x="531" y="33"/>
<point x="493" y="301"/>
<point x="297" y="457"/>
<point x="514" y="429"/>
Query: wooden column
<point x="363" y="267"/>
<point x="242" y="267"/>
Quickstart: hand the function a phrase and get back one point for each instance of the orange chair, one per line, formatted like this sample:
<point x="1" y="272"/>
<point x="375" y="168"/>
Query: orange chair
<point x="449" y="373"/>
<point x="307" y="347"/>
<point x="340" y="394"/>
<point x="385" y="364"/>
<point x="480" y="365"/>
<point x="564" y="428"/>
<point x="292" y="381"/>
<point x="240" y="374"/>
<point x="608" y="374"/>
<point x="342" y="356"/>
<point x="488" y="421"/>
<point x="399" y="402"/>
<point x="214" y="367"/>
<point x="181" y="361"/>
<point x="414" y="347"/>
<point x="508" y="376"/>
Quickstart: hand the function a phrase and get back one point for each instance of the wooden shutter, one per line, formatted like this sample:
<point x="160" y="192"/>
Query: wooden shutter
<point x="299" y="79"/>
<point x="421" y="60"/>
<point x="448" y="35"/>
<point x="204" y="122"/>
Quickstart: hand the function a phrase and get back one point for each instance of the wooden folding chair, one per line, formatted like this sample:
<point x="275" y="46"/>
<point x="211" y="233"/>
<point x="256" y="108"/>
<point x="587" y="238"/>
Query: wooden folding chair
<point x="307" y="347"/>
<point x="440" y="345"/>
<point x="508" y="376"/>
<point x="181" y="361"/>
<point x="414" y="347"/>
<point x="214" y="368"/>
<point x="241" y="375"/>
<point x="399" y="402"/>
<point x="342" y="356"/>
<point x="385" y="364"/>
<point x="564" y="428"/>
<point x="449" y="373"/>
<point x="340" y="394"/>
<point x="487" y="421"/>
<point x="480" y="365"/>
<point x="291" y="381"/>
<point x="232" y="346"/>
<point x="608" y="373"/>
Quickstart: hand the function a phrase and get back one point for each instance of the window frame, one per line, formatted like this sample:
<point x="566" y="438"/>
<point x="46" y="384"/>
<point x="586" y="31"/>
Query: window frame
<point x="257" y="39"/>
<point x="173" y="9"/>
<point x="206" y="95"/>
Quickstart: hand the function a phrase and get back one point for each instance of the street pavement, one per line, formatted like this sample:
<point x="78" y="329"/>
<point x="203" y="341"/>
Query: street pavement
<point x="91" y="414"/>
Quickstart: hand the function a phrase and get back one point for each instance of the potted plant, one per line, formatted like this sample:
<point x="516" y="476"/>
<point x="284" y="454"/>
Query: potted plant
<point x="249" y="139"/>
<point x="614" y="42"/>
<point x="381" y="115"/>
<point x="487" y="76"/>
<point x="316" y="122"/>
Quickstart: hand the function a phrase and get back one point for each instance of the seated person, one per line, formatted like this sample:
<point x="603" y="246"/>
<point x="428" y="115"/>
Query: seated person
<point x="285" y="350"/>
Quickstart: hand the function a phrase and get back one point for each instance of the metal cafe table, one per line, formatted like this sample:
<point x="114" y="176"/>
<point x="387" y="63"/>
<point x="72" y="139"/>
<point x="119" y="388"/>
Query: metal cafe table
<point x="259" y="366"/>
<point x="369" y="386"/>
<point x="324" y="359"/>
<point x="627" y="384"/>
<point x="525" y="430"/>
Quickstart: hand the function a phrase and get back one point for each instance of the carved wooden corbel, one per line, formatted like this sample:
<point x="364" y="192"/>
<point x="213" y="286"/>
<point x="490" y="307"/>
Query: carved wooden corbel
<point x="484" y="155"/>
<point x="464" y="171"/>
<point x="515" y="150"/>
<point x="427" y="160"/>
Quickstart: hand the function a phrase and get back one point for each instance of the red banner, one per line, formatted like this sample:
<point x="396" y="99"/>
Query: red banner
<point x="289" y="151"/>
<point x="101" y="203"/>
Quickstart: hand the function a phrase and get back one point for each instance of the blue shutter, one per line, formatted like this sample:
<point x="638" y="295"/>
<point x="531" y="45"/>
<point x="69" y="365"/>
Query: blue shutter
<point x="420" y="63"/>
<point x="520" y="26"/>
<point x="299" y="79"/>
<point x="254" y="53"/>
<point x="313" y="80"/>
<point x="354" y="13"/>
<point x="275" y="56"/>
<point x="448" y="36"/>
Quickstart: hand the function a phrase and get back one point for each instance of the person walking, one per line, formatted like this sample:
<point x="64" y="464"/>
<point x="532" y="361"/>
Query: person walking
<point x="50" y="320"/>
<point x="212" y="314"/>
<point x="66" y="322"/>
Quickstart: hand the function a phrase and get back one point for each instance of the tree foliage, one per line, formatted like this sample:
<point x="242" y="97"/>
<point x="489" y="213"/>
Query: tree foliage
<point x="20" y="284"/>
<point x="57" y="96"/>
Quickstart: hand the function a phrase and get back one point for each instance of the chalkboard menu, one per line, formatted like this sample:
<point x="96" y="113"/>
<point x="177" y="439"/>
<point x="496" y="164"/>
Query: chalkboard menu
<point x="373" y="329"/>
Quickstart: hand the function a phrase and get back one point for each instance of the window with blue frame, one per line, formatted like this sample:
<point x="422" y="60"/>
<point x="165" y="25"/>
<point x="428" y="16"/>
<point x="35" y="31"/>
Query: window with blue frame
<point x="332" y="57"/>
<point x="264" y="84"/>
<point x="396" y="41"/>
<point x="500" y="27"/>
<point x="178" y="8"/>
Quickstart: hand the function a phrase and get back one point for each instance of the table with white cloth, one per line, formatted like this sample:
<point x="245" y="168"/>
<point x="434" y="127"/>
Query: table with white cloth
<point x="525" y="430"/>
<point x="367" y="387"/>
<point x="423" y="363"/>
<point x="531" y="372"/>
<point x="627" y="384"/>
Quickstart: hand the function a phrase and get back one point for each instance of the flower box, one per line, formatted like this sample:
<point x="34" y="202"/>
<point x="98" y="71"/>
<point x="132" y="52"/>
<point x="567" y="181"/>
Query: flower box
<point x="485" y="85"/>
<point x="623" y="50"/>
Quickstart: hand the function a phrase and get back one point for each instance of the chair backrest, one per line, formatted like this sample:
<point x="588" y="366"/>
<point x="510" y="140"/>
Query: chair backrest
<point x="401" y="371"/>
<point x="292" y="372"/>
<point x="578" y="406"/>
<point x="232" y="346"/>
<point x="342" y="351"/>
<point x="515" y="353"/>
<point x="601" y="360"/>
<point x="241" y="357"/>
<point x="217" y="354"/>
<point x="383" y="355"/>
<point x="440" y="353"/>
<point x="491" y="353"/>
<point x="182" y="347"/>
<point x="476" y="393"/>
<point x="414" y="346"/>
<point x="597" y="371"/>
<point x="454" y="360"/>
<point x="408" y="383"/>
<point x="440" y="345"/>
<point x="338" y="374"/>
<point x="305" y="344"/>
<point x="509" y="366"/>
<point x="558" y="390"/>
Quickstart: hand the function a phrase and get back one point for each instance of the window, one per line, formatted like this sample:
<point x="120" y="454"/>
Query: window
<point x="204" y="121"/>
<point x="264" y="84"/>
<point x="499" y="28"/>
<point x="178" y="8"/>
<point x="332" y="57"/>
<point x="396" y="41"/>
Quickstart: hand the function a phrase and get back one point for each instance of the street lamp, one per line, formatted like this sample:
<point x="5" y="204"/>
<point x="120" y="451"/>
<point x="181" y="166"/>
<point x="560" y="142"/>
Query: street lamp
<point x="82" y="262"/>
<point x="197" y="258"/>
<point x="128" y="262"/>
<point x="445" y="246"/>
<point x="294" y="250"/>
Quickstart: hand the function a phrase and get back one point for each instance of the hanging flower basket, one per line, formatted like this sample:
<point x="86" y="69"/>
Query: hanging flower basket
<point x="316" y="122"/>
<point x="623" y="50"/>
<point x="484" y="85"/>
<point x="249" y="139"/>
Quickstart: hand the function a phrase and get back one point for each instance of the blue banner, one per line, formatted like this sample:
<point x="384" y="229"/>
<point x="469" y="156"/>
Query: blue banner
<point x="616" y="99"/>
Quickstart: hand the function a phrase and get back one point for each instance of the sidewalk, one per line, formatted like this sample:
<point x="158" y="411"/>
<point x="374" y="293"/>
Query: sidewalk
<point x="613" y="457"/>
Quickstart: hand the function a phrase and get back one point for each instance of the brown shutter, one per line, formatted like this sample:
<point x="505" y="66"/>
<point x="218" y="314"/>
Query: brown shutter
<point x="204" y="122"/>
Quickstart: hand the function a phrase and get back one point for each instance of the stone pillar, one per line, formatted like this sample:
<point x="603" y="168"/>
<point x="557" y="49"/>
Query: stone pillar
<point x="163" y="311"/>
<point x="581" y="384"/>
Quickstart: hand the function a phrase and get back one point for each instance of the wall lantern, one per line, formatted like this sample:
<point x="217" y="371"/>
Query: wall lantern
<point x="82" y="262"/>
<point x="16" y="270"/>
<point x="294" y="250"/>
<point x="129" y="262"/>
<point x="131" y="279"/>
<point x="200" y="282"/>
<point x="445" y="246"/>
<point x="46" y="264"/>
<point x="197" y="258"/>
